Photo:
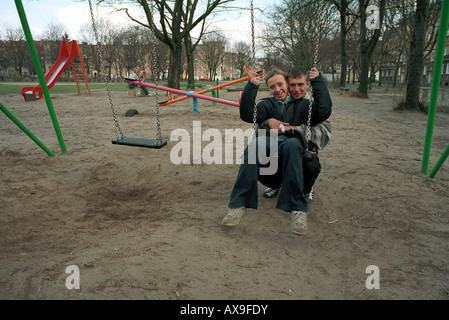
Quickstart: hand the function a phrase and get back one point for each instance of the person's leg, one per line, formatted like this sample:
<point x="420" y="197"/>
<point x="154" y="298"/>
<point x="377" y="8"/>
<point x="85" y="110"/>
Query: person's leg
<point x="291" y="196"/>
<point x="311" y="170"/>
<point x="244" y="193"/>
<point x="255" y="167"/>
<point x="145" y="90"/>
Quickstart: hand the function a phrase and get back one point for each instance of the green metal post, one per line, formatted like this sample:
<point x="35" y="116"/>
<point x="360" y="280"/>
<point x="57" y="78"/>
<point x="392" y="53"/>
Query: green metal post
<point x="440" y="162"/>
<point x="40" y="73"/>
<point x="218" y="92"/>
<point x="25" y="129"/>
<point x="214" y="94"/>
<point x="439" y="55"/>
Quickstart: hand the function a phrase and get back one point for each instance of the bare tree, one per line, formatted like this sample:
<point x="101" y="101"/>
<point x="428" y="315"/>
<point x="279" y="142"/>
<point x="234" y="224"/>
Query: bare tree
<point x="345" y="9"/>
<point x="416" y="55"/>
<point x="214" y="49"/>
<point x="131" y="54"/>
<point x="243" y="58"/>
<point x="52" y="37"/>
<point x="17" y="53"/>
<point x="107" y="34"/>
<point x="294" y="28"/>
<point x="176" y="19"/>
<point x="367" y="46"/>
<point x="189" y="44"/>
<point x="329" y="60"/>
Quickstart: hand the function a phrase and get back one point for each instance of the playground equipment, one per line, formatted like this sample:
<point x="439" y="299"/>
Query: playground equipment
<point x="121" y="139"/>
<point x="212" y="89"/>
<point x="158" y="142"/>
<point x="68" y="55"/>
<point x="25" y="129"/>
<point x="439" y="56"/>
<point x="187" y="94"/>
<point x="40" y="73"/>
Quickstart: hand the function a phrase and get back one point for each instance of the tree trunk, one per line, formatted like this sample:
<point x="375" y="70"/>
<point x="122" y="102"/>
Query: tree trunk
<point x="363" y="86"/>
<point x="366" y="49"/>
<point x="190" y="67"/>
<point x="380" y="76"/>
<point x="190" y="49"/>
<point x="416" y="55"/>
<point x="395" y="75"/>
<point x="343" y="33"/>
<point x="177" y="21"/>
<point x="175" y="66"/>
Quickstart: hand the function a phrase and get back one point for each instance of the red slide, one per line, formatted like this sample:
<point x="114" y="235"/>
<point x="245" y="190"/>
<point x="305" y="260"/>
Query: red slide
<point x="65" y="57"/>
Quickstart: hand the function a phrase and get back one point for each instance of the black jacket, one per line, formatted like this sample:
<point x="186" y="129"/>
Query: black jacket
<point x="295" y="111"/>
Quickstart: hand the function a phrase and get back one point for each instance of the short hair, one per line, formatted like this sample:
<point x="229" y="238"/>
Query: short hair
<point x="272" y="73"/>
<point x="297" y="72"/>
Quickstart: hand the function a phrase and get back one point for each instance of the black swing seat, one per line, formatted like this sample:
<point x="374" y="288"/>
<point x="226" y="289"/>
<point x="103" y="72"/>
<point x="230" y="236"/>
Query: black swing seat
<point x="139" y="142"/>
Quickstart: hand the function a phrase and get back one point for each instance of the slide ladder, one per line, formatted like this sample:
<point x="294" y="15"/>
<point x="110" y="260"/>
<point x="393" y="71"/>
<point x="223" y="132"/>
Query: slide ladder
<point x="78" y="68"/>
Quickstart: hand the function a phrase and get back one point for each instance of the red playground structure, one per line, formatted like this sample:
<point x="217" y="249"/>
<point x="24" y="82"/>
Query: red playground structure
<point x="67" y="55"/>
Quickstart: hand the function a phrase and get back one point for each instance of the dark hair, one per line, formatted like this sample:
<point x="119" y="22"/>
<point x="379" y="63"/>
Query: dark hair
<point x="297" y="72"/>
<point x="273" y="73"/>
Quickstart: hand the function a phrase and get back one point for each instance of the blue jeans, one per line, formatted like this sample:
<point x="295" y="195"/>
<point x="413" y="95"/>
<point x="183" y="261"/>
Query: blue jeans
<point x="289" y="174"/>
<point x="145" y="90"/>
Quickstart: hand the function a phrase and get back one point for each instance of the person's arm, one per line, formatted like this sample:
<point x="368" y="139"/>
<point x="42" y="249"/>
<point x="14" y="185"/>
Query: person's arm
<point x="248" y="100"/>
<point x="278" y="125"/>
<point x="322" y="104"/>
<point x="319" y="134"/>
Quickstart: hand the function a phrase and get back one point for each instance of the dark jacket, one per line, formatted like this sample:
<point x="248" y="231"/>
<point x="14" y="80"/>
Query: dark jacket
<point x="295" y="111"/>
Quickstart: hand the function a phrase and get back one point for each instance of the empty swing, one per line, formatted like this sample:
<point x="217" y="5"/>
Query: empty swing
<point x="121" y="139"/>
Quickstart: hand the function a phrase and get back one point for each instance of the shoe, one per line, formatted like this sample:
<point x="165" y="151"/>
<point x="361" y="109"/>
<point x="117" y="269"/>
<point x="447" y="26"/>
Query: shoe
<point x="298" y="222"/>
<point x="309" y="196"/>
<point x="232" y="218"/>
<point x="270" y="192"/>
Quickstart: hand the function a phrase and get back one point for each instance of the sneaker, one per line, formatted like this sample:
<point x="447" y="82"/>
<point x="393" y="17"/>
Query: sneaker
<point x="232" y="218"/>
<point x="270" y="192"/>
<point x="309" y="196"/>
<point x="298" y="222"/>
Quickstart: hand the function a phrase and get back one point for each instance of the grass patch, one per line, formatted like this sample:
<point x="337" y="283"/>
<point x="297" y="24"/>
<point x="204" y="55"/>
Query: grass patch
<point x="13" y="88"/>
<point x="67" y="87"/>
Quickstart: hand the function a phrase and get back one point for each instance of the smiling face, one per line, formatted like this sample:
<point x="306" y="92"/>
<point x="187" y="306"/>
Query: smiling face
<point x="278" y="87"/>
<point x="298" y="86"/>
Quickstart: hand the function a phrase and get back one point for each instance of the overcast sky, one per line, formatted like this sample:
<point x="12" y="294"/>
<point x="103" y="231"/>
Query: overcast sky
<point x="72" y="14"/>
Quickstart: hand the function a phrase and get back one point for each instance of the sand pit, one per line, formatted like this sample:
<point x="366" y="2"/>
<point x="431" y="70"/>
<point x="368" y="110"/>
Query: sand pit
<point x="140" y="227"/>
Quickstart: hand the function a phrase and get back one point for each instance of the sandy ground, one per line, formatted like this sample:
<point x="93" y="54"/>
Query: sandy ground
<point x="140" y="227"/>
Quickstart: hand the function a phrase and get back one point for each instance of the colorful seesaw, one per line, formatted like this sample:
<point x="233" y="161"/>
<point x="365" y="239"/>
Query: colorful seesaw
<point x="191" y="94"/>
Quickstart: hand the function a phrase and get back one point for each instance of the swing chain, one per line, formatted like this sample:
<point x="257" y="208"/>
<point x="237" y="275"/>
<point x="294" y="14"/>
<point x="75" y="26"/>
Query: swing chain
<point x="315" y="62"/>
<point x="118" y="130"/>
<point x="253" y="37"/>
<point x="153" y="43"/>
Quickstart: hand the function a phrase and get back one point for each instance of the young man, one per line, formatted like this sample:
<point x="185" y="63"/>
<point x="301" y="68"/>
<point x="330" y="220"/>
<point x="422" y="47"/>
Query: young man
<point x="319" y="134"/>
<point x="284" y="116"/>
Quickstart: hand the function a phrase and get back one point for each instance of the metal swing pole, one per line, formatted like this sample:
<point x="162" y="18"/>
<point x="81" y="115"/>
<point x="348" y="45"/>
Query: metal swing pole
<point x="25" y="129"/>
<point x="438" y="65"/>
<point x="40" y="73"/>
<point x="439" y="162"/>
